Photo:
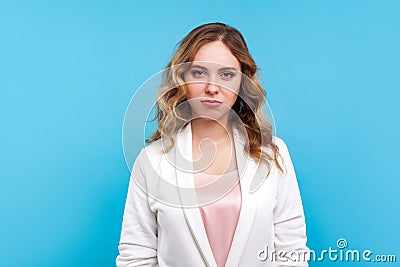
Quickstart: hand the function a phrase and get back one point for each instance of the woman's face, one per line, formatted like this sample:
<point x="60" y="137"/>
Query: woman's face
<point x="213" y="81"/>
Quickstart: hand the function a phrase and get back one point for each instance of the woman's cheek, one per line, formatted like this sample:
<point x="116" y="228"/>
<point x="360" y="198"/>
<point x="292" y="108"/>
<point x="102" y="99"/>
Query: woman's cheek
<point x="194" y="90"/>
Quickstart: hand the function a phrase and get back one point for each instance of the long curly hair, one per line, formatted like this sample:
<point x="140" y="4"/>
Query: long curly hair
<point x="248" y="105"/>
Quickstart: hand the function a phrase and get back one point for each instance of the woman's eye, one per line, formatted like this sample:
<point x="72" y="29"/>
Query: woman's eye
<point x="198" y="73"/>
<point x="227" y="75"/>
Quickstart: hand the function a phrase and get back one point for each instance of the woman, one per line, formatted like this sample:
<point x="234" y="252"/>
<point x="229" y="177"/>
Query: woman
<point x="215" y="187"/>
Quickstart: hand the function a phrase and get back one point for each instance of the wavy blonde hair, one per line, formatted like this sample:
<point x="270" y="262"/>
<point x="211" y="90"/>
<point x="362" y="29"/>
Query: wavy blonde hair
<point x="248" y="105"/>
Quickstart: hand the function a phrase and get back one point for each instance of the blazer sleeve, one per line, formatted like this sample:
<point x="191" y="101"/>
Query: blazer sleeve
<point x="289" y="220"/>
<point x="138" y="240"/>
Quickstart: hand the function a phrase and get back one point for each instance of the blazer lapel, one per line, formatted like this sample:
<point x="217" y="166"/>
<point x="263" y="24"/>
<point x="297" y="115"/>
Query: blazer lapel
<point x="246" y="168"/>
<point x="187" y="192"/>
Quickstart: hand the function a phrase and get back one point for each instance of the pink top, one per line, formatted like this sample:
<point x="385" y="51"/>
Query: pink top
<point x="220" y="217"/>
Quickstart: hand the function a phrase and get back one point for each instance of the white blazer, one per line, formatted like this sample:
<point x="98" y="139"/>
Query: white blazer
<point x="155" y="232"/>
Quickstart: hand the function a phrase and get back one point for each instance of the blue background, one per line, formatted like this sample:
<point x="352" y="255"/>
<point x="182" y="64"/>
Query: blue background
<point x="68" y="70"/>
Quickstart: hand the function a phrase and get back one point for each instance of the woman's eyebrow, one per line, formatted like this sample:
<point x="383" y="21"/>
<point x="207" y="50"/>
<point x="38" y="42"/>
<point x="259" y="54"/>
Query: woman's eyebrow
<point x="228" y="68"/>
<point x="198" y="66"/>
<point x="221" y="69"/>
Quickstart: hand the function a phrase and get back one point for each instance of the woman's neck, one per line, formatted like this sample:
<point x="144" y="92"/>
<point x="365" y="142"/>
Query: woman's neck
<point x="203" y="128"/>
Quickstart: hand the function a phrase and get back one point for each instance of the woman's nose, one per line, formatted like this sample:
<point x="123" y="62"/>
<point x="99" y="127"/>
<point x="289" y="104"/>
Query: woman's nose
<point x="212" y="88"/>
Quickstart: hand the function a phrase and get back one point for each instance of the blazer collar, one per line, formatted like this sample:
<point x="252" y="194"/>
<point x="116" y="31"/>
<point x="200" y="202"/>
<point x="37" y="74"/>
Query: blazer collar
<point x="185" y="181"/>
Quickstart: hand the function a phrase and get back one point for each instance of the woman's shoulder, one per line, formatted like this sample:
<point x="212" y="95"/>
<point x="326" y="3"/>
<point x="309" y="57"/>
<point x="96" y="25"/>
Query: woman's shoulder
<point x="149" y="156"/>
<point x="281" y="148"/>
<point x="153" y="148"/>
<point x="278" y="141"/>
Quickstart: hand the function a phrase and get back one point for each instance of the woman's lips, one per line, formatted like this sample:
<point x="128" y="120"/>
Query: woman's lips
<point x="211" y="103"/>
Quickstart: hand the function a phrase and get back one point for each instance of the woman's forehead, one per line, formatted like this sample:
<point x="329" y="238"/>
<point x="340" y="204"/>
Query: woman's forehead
<point x="218" y="53"/>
